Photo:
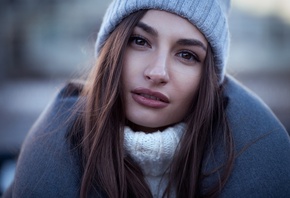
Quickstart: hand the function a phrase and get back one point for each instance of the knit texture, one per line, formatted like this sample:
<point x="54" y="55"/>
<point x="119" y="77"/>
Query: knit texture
<point x="153" y="152"/>
<point x="209" y="16"/>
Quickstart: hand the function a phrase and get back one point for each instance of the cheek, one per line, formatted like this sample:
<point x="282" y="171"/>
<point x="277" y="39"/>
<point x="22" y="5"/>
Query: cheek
<point x="188" y="95"/>
<point x="128" y="71"/>
<point x="187" y="79"/>
<point x="132" y="65"/>
<point x="187" y="88"/>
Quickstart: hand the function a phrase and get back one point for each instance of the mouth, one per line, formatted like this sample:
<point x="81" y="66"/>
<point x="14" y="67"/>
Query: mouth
<point x="146" y="93"/>
<point x="150" y="98"/>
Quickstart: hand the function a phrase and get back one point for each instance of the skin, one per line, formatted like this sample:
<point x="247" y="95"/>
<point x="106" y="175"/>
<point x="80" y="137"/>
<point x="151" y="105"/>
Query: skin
<point x="165" y="55"/>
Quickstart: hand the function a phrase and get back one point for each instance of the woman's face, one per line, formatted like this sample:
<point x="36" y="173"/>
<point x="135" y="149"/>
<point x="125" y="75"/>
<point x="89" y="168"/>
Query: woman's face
<point x="162" y="70"/>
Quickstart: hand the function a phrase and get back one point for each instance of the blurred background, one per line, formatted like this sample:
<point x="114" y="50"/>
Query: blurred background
<point x="45" y="43"/>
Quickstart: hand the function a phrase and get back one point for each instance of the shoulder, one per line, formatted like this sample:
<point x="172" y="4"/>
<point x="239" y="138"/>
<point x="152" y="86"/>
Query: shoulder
<point x="57" y="117"/>
<point x="248" y="114"/>
<point x="47" y="166"/>
<point x="262" y="165"/>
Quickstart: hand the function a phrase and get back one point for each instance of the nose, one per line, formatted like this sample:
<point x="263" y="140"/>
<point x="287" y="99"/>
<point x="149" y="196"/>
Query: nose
<point x="157" y="69"/>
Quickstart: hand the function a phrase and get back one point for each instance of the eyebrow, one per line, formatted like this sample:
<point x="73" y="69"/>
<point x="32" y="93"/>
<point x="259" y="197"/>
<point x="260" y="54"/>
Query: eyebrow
<point x="184" y="42"/>
<point x="147" y="28"/>
<point x="192" y="42"/>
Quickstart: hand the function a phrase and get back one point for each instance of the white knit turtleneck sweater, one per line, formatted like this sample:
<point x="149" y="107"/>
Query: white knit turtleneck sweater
<point x="153" y="152"/>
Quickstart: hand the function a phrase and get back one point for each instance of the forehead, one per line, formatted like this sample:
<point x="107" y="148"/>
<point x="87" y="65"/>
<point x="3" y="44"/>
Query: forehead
<point x="170" y="23"/>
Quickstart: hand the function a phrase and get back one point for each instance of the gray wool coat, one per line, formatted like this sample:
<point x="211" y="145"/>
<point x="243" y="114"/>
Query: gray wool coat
<point x="49" y="167"/>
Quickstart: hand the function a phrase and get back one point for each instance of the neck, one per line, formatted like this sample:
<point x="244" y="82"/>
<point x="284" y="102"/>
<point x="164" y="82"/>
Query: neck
<point x="139" y="128"/>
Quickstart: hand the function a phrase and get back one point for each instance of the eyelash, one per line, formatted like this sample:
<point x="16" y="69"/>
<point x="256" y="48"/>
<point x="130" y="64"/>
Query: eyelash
<point x="193" y="56"/>
<point x="135" y="38"/>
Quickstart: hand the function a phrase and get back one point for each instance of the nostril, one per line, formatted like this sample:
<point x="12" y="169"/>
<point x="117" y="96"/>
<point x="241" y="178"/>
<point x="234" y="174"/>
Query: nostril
<point x="156" y="75"/>
<point x="148" y="77"/>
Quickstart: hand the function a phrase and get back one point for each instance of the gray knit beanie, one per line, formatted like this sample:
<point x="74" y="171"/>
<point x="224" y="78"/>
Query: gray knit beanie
<point x="209" y="16"/>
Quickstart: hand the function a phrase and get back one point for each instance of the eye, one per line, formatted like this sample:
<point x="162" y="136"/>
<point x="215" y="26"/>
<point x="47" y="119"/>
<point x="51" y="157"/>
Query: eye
<point x="138" y="41"/>
<point x="188" y="56"/>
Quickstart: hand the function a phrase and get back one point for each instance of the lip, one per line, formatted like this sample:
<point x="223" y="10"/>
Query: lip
<point x="149" y="98"/>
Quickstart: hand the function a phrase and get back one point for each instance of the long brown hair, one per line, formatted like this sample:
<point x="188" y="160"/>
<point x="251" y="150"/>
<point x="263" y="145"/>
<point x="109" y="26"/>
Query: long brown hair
<point x="99" y="130"/>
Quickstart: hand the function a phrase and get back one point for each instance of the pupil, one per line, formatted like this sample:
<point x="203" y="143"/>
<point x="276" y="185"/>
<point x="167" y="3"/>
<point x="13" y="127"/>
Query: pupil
<point x="140" y="42"/>
<point x="186" y="55"/>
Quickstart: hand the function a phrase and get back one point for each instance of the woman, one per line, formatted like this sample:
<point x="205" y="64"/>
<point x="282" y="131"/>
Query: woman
<point x="157" y="116"/>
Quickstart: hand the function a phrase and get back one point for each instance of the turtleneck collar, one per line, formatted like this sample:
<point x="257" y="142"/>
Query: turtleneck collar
<point x="153" y="152"/>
